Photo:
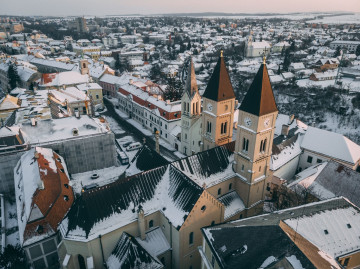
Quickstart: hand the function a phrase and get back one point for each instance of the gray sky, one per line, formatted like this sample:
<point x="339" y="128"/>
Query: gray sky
<point x="117" y="7"/>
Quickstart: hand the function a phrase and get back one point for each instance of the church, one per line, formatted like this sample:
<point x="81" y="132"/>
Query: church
<point x="169" y="202"/>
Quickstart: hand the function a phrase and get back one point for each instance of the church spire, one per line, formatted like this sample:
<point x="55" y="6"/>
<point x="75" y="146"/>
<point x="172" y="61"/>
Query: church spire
<point x="219" y="87"/>
<point x="191" y="84"/>
<point x="260" y="100"/>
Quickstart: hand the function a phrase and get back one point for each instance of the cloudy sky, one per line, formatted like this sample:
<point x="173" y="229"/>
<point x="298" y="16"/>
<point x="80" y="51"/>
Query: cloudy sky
<point x="118" y="7"/>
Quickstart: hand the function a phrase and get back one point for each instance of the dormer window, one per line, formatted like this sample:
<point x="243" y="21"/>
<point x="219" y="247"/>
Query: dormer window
<point x="326" y="231"/>
<point x="348" y="225"/>
<point x="66" y="198"/>
<point x="40" y="229"/>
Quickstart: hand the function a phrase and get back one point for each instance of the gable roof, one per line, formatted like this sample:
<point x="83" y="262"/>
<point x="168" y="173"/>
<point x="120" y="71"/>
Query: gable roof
<point x="114" y="205"/>
<point x="228" y="240"/>
<point x="208" y="167"/>
<point x="331" y="144"/>
<point x="129" y="254"/>
<point x="250" y="246"/>
<point x="42" y="192"/>
<point x="260" y="100"/>
<point x="145" y="159"/>
<point x="330" y="179"/>
<point x="191" y="85"/>
<point x="219" y="87"/>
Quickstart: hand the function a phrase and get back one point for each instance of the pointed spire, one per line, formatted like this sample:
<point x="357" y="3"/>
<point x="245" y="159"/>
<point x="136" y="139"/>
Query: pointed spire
<point x="191" y="84"/>
<point x="260" y="100"/>
<point x="219" y="87"/>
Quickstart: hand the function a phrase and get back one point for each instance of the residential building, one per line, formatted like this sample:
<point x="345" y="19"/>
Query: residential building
<point x="349" y="46"/>
<point x="316" y="235"/>
<point x="43" y="197"/>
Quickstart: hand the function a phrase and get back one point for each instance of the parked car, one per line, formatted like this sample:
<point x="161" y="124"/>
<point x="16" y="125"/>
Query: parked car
<point x="133" y="146"/>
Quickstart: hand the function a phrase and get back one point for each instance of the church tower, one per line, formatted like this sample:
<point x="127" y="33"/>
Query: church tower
<point x="253" y="148"/>
<point x="218" y="108"/>
<point x="191" y="115"/>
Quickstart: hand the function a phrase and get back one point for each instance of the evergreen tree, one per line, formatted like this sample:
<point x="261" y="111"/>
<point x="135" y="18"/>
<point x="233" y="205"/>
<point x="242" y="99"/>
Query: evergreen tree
<point x="13" y="258"/>
<point x="357" y="52"/>
<point x="13" y="76"/>
<point x="283" y="50"/>
<point x="292" y="46"/>
<point x="31" y="86"/>
<point x="174" y="89"/>
<point x="155" y="72"/>
<point x="287" y="60"/>
<point x="118" y="64"/>
<point x="189" y="45"/>
<point x="337" y="51"/>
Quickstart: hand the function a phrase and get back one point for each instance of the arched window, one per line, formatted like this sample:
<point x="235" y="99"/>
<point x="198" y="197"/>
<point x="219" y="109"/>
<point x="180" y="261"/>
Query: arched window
<point x="191" y="238"/>
<point x="219" y="191"/>
<point x="81" y="261"/>
<point x="261" y="145"/>
<point x="151" y="224"/>
<point x="188" y="107"/>
<point x="230" y="186"/>
<point x="245" y="144"/>
<point x="264" y="145"/>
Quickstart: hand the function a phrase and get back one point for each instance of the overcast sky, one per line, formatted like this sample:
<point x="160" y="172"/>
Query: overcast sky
<point x="119" y="7"/>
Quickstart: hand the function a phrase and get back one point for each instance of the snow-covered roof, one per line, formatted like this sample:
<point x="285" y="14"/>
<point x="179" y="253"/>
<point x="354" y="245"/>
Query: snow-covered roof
<point x="328" y="180"/>
<point x="335" y="231"/>
<point x="208" y="167"/>
<point x="60" y="129"/>
<point x="39" y="177"/>
<point x="331" y="144"/>
<point x="155" y="242"/>
<point x="115" y="205"/>
<point x="128" y="253"/>
<point x="63" y="78"/>
<point x="233" y="204"/>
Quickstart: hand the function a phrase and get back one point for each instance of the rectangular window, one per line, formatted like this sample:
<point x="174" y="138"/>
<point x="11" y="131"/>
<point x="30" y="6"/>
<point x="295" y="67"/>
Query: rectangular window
<point x="319" y="161"/>
<point x="49" y="246"/>
<point x="191" y="238"/>
<point x="346" y="262"/>
<point x="309" y="159"/>
<point x="35" y="251"/>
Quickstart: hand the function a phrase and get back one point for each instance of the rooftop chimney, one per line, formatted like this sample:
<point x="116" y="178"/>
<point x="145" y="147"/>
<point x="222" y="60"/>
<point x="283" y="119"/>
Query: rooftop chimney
<point x="157" y="146"/>
<point x="285" y="130"/>
<point x="141" y="223"/>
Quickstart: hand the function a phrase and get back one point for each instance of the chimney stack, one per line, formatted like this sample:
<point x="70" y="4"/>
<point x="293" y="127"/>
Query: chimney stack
<point x="141" y="223"/>
<point x="285" y="130"/>
<point x="157" y="146"/>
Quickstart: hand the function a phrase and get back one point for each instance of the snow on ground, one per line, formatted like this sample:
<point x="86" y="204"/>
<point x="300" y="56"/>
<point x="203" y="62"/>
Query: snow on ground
<point x="341" y="19"/>
<point x="106" y="176"/>
<point x="122" y="141"/>
<point x="114" y="126"/>
<point x="347" y="84"/>
<point x="11" y="223"/>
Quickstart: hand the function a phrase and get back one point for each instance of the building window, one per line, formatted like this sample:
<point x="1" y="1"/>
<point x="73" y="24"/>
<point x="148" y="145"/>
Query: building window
<point x="203" y="208"/>
<point x="224" y="127"/>
<point x="309" y="159"/>
<point x="191" y="238"/>
<point x="151" y="224"/>
<point x="259" y="168"/>
<point x="81" y="261"/>
<point x="326" y="232"/>
<point x="213" y="223"/>
<point x="319" y="161"/>
<point x="185" y="136"/>
<point x="162" y="260"/>
<point x="348" y="225"/>
<point x="97" y="96"/>
<point x="242" y="167"/>
<point x="219" y="191"/>
<point x="245" y="144"/>
<point x="230" y="186"/>
<point x="84" y="110"/>
<point x="346" y="262"/>
<point x="264" y="145"/>
<point x="208" y="129"/>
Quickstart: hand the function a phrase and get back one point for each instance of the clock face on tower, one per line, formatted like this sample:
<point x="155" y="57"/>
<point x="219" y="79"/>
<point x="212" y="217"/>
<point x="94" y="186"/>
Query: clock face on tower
<point x="267" y="122"/>
<point x="209" y="106"/>
<point x="247" y="121"/>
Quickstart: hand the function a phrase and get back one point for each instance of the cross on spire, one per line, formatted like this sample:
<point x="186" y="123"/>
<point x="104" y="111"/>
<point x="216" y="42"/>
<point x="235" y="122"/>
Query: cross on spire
<point x="264" y="55"/>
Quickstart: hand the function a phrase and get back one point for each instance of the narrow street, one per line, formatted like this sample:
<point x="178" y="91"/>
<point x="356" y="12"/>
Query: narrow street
<point x="130" y="130"/>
